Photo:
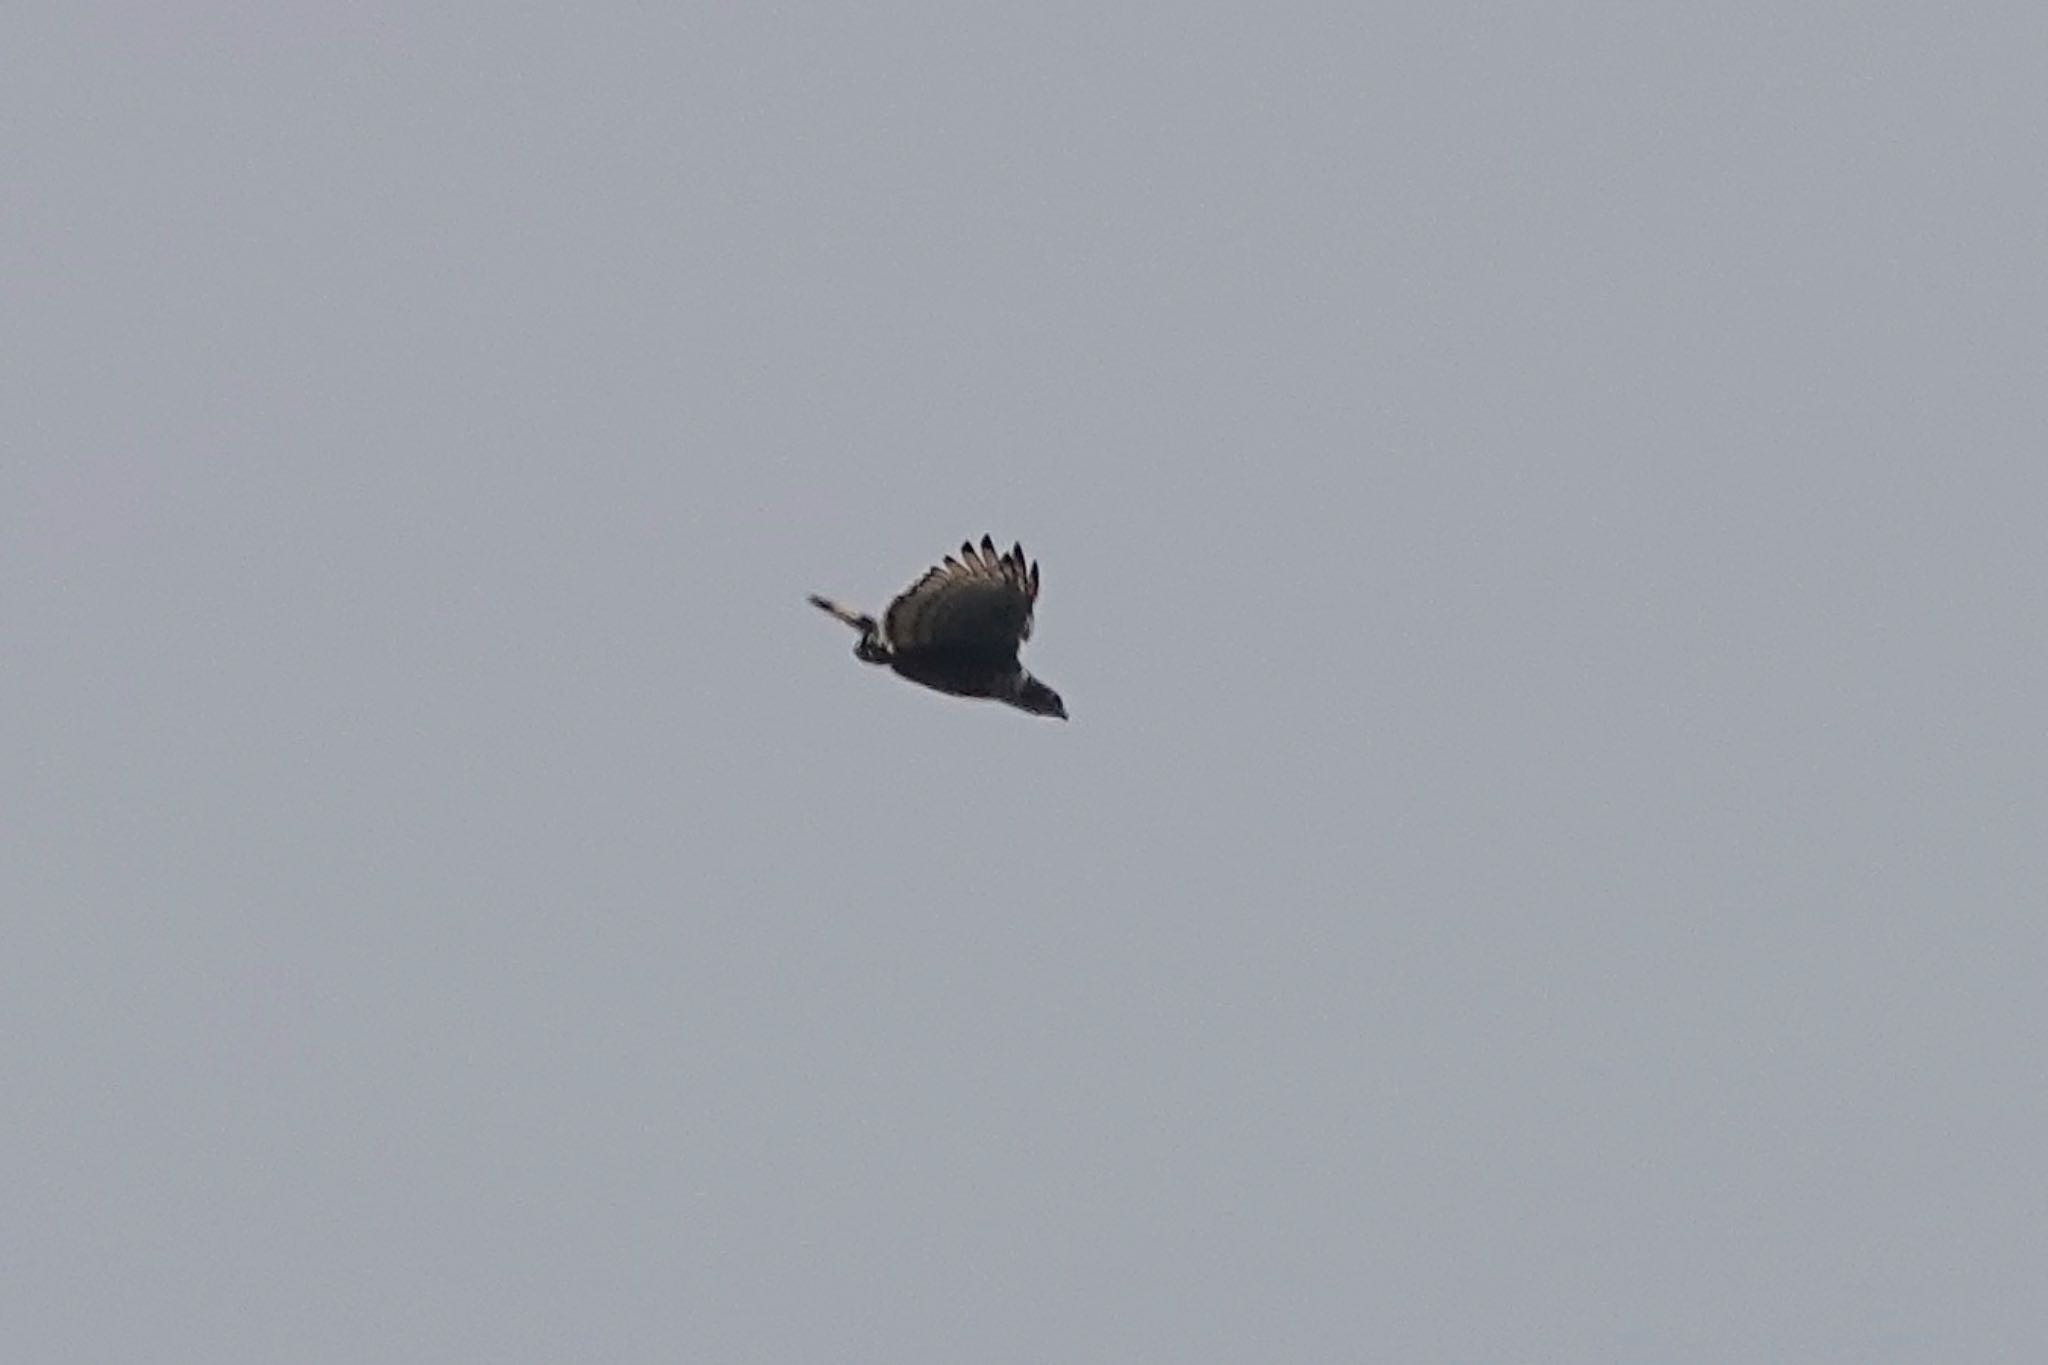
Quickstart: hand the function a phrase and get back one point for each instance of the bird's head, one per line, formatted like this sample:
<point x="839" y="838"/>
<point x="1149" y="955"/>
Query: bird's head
<point x="1040" y="700"/>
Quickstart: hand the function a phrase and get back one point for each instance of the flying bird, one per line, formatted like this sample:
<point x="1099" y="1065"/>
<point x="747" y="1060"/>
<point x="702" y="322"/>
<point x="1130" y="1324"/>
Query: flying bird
<point x="956" y="629"/>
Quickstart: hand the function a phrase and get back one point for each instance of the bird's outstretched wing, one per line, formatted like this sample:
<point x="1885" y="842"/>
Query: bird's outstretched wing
<point x="977" y="605"/>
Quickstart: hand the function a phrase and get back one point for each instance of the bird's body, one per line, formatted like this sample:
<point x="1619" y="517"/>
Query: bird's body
<point x="957" y="629"/>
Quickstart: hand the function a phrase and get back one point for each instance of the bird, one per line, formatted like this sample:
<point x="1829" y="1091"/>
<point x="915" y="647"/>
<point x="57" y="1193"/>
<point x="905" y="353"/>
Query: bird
<point x="957" y="628"/>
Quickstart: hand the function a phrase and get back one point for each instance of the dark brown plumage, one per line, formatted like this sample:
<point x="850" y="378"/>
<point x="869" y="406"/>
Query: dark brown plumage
<point x="957" y="629"/>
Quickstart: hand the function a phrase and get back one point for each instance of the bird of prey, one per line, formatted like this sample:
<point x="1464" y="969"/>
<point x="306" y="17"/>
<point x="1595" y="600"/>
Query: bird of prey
<point x="956" y="629"/>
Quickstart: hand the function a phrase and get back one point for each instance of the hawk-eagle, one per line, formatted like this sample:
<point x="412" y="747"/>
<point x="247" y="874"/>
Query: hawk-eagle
<point x="957" y="629"/>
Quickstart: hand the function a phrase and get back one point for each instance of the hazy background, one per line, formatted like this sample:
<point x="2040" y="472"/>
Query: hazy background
<point x="1542" y="512"/>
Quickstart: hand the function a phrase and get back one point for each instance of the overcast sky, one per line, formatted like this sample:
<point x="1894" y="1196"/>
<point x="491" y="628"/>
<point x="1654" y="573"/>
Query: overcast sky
<point x="1544" y="516"/>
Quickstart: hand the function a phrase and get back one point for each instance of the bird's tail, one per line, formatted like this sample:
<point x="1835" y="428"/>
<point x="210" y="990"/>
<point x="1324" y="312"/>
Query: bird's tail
<point x="860" y="621"/>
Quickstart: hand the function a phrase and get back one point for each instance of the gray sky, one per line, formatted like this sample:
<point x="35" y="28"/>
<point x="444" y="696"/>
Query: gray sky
<point x="1542" y="519"/>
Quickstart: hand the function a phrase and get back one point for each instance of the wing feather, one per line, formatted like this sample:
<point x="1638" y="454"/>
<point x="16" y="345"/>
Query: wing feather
<point x="977" y="606"/>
